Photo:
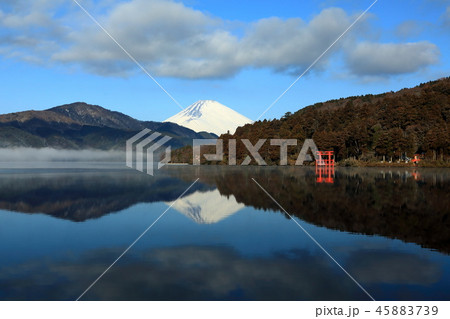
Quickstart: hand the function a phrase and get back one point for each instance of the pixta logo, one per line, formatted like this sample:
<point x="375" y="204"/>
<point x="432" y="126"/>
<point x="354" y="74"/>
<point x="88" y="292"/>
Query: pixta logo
<point x="144" y="148"/>
<point x="253" y="149"/>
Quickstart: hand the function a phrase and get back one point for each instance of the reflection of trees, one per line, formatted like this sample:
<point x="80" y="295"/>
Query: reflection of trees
<point x="366" y="201"/>
<point x="81" y="196"/>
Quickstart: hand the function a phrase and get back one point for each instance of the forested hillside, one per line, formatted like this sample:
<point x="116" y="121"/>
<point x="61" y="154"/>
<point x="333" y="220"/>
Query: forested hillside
<point x="409" y="121"/>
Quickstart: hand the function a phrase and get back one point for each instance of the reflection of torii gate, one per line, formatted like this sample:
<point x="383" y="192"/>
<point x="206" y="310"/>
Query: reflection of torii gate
<point x="325" y="167"/>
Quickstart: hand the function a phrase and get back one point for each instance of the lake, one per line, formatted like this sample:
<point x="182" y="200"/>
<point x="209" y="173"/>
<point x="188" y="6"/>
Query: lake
<point x="61" y="227"/>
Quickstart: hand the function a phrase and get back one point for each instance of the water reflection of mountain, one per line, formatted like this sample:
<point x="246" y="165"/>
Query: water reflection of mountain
<point x="79" y="196"/>
<point x="403" y="204"/>
<point x="207" y="207"/>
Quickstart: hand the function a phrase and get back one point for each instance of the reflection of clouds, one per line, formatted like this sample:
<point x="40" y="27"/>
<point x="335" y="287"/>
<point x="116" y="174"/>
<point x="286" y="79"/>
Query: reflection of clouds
<point x="181" y="273"/>
<point x="393" y="268"/>
<point x="219" y="273"/>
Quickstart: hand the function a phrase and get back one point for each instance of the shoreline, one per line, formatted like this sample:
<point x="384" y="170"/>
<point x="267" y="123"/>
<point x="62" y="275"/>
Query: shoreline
<point x="338" y="164"/>
<point x="422" y="164"/>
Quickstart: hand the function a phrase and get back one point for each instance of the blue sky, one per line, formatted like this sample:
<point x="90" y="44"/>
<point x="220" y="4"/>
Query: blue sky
<point x="243" y="54"/>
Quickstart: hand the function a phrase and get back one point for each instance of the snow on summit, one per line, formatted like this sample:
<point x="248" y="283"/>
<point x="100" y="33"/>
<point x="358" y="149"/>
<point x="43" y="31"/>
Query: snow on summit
<point x="209" y="116"/>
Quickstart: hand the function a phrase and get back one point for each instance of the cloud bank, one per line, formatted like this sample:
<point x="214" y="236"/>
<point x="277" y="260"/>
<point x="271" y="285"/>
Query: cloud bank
<point x="173" y="40"/>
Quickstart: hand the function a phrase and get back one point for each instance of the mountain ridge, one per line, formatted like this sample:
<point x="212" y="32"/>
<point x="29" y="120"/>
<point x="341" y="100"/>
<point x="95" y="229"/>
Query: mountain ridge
<point x="95" y="115"/>
<point x="80" y="125"/>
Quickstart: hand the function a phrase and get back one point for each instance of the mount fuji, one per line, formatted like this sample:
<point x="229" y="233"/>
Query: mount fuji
<point x="209" y="116"/>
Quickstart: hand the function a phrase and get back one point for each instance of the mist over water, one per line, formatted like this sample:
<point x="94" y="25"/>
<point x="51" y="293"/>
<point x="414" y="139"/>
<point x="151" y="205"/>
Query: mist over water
<point x="32" y="155"/>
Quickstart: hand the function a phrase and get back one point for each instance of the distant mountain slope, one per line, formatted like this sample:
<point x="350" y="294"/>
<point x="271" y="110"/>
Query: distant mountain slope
<point x="95" y="115"/>
<point x="80" y="125"/>
<point x="209" y="116"/>
<point x="47" y="116"/>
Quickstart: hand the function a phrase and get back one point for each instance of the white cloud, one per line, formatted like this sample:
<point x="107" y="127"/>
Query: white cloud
<point x="29" y="31"/>
<point x="173" y="40"/>
<point x="381" y="59"/>
<point x="33" y="18"/>
<point x="292" y="44"/>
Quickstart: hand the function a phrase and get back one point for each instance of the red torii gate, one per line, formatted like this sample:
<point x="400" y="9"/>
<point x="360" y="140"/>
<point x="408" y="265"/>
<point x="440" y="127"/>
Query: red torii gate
<point x="325" y="167"/>
<point x="325" y="158"/>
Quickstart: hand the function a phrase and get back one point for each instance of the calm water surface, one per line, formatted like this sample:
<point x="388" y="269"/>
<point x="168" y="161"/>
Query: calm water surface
<point x="225" y="239"/>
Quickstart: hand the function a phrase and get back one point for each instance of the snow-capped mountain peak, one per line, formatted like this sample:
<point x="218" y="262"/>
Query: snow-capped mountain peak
<point x="209" y="116"/>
